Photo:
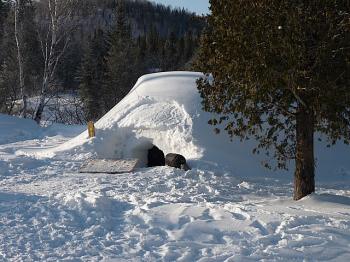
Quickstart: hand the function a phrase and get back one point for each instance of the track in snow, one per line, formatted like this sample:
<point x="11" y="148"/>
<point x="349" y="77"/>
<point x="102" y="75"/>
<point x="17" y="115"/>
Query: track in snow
<point x="161" y="214"/>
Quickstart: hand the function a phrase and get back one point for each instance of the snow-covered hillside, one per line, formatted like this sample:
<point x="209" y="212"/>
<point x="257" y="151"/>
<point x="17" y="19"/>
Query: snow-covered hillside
<point x="227" y="208"/>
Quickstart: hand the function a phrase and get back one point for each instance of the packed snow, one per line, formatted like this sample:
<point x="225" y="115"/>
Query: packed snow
<point x="227" y="208"/>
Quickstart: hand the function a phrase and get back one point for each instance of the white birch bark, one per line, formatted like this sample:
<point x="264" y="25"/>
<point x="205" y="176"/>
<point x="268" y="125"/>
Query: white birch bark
<point x="54" y="43"/>
<point x="19" y="47"/>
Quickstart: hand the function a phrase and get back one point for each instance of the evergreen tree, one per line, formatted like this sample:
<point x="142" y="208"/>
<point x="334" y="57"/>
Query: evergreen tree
<point x="153" y="43"/>
<point x="4" y="9"/>
<point x="9" y="84"/>
<point x="189" y="46"/>
<point x="31" y="49"/>
<point x="9" y="91"/>
<point x="88" y="87"/>
<point x="141" y="55"/>
<point x="153" y="40"/>
<point x="142" y="48"/>
<point x="3" y="14"/>
<point x="30" y="53"/>
<point x="137" y="48"/>
<point x="281" y="72"/>
<point x="180" y="51"/>
<point x="170" y="57"/>
<point x="91" y="76"/>
<point x="100" y="49"/>
<point x="71" y="64"/>
<point x="121" y="67"/>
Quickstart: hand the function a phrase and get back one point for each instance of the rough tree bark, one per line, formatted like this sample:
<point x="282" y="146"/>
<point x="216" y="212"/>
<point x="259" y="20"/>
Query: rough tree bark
<point x="304" y="177"/>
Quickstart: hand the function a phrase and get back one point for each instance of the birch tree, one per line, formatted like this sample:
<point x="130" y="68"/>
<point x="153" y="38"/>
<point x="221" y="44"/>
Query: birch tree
<point x="18" y="17"/>
<point x="55" y="32"/>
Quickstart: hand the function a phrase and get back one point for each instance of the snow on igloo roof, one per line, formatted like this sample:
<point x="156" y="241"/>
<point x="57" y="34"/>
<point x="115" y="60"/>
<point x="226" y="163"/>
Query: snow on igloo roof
<point x="164" y="109"/>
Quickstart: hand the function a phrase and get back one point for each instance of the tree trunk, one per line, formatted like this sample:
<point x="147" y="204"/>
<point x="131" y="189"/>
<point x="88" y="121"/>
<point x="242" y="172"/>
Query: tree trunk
<point x="18" y="32"/>
<point x="40" y="110"/>
<point x="304" y="177"/>
<point x="53" y="47"/>
<point x="41" y="106"/>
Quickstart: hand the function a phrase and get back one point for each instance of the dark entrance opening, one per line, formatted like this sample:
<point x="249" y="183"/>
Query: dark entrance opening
<point x="155" y="157"/>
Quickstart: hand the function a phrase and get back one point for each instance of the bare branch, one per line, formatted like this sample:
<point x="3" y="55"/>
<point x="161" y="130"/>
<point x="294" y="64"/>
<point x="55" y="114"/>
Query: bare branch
<point x="60" y="27"/>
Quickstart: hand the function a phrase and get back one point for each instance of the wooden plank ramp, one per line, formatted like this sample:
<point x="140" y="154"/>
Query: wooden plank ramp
<point x="109" y="166"/>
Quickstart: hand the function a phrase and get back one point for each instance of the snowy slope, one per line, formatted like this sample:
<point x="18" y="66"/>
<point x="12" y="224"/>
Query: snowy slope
<point x="49" y="212"/>
<point x="13" y="129"/>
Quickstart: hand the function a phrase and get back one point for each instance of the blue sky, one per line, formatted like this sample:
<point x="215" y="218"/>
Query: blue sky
<point x="198" y="6"/>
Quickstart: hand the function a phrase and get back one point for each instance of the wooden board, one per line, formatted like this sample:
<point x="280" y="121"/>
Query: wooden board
<point x="109" y="166"/>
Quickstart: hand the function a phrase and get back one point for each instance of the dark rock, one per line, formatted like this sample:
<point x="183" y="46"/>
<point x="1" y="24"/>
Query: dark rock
<point x="155" y="157"/>
<point x="177" y="161"/>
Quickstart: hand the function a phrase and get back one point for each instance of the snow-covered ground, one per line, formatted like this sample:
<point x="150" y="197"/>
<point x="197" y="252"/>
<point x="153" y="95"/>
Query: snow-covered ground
<point x="227" y="208"/>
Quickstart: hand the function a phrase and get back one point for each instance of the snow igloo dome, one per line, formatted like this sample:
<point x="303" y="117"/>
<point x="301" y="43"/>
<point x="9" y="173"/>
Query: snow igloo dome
<point x="165" y="110"/>
<point x="162" y="109"/>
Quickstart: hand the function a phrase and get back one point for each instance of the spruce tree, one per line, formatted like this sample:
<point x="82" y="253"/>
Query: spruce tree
<point x="189" y="46"/>
<point x="280" y="73"/>
<point x="121" y="61"/>
<point x="180" y="51"/>
<point x="88" y="87"/>
<point x="92" y="76"/>
<point x="4" y="8"/>
<point x="9" y="91"/>
<point x="170" y="57"/>
<point x="30" y="54"/>
<point x="141" y="56"/>
<point x="3" y="13"/>
<point x="31" y="48"/>
<point x="154" y="48"/>
<point x="153" y="40"/>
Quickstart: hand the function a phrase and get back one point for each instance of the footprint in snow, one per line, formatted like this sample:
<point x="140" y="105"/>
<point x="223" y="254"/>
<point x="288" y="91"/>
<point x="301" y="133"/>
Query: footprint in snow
<point x="261" y="226"/>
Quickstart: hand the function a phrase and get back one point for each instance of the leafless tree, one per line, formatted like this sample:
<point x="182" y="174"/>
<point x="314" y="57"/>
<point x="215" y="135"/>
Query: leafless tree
<point x="67" y="110"/>
<point x="55" y="30"/>
<point x="18" y="10"/>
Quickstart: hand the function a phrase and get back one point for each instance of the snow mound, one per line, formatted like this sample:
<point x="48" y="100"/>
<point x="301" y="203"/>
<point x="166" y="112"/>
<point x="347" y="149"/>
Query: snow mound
<point x="164" y="109"/>
<point x="13" y="129"/>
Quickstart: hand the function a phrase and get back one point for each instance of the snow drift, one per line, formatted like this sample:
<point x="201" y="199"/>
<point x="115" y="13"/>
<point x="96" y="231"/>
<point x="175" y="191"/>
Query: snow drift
<point x="164" y="109"/>
<point x="51" y="212"/>
<point x="13" y="130"/>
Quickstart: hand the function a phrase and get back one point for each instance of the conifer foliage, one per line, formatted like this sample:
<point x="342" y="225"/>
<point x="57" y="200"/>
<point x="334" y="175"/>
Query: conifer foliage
<point x="92" y="75"/>
<point x="280" y="73"/>
<point x="101" y="49"/>
<point x="124" y="57"/>
<point x="121" y="60"/>
<point x="3" y="14"/>
<point x="30" y="54"/>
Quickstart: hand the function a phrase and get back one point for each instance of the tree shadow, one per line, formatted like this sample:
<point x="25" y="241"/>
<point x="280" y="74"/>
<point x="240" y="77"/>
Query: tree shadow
<point x="335" y="199"/>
